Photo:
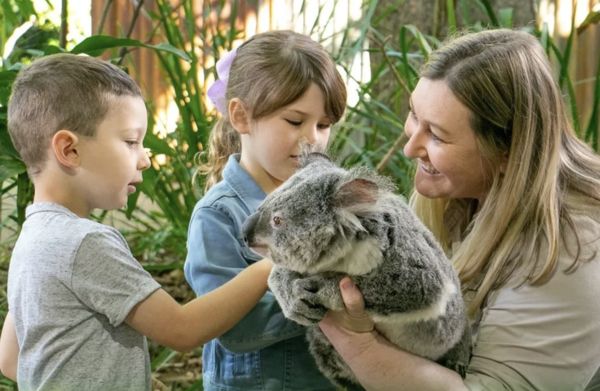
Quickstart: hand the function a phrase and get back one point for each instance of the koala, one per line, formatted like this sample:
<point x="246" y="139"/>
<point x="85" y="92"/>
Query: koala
<point x="326" y="222"/>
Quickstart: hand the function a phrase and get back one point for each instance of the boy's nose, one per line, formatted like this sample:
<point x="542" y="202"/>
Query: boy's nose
<point x="144" y="162"/>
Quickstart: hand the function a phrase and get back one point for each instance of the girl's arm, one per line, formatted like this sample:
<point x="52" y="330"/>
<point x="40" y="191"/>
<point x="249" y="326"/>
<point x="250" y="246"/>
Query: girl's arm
<point x="9" y="349"/>
<point x="184" y="327"/>
<point x="377" y="364"/>
<point x="215" y="256"/>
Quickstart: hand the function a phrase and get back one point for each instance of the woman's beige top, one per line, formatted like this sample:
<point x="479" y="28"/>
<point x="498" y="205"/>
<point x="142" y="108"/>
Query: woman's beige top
<point x="544" y="337"/>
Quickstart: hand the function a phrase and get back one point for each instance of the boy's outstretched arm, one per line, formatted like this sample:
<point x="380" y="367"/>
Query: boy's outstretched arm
<point x="184" y="327"/>
<point x="9" y="349"/>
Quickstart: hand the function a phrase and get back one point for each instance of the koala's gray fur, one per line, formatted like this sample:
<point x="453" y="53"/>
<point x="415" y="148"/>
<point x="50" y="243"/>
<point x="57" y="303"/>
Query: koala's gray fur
<point x="326" y="222"/>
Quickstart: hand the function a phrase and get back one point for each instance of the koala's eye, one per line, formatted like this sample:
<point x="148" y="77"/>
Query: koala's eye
<point x="277" y="221"/>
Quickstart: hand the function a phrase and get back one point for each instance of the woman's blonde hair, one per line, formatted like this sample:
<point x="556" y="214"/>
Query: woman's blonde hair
<point x="505" y="79"/>
<point x="272" y="70"/>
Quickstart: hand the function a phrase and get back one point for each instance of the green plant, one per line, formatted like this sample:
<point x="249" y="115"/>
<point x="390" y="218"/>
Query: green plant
<point x="371" y="133"/>
<point x="168" y="183"/>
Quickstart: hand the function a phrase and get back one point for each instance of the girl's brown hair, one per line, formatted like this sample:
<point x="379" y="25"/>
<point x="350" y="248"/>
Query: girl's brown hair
<point x="272" y="70"/>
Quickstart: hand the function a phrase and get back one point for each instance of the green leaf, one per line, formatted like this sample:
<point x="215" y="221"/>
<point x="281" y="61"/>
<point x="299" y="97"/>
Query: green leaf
<point x="592" y="18"/>
<point x="158" y="145"/>
<point x="505" y="17"/>
<point x="421" y="39"/>
<point x="6" y="146"/>
<point x="7" y="76"/>
<point x="97" y="44"/>
<point x="10" y="168"/>
<point x="165" y="356"/>
<point x="6" y="80"/>
<point x="166" y="47"/>
<point x="25" y="8"/>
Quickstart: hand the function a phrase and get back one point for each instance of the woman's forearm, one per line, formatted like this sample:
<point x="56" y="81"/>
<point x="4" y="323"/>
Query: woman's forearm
<point x="379" y="365"/>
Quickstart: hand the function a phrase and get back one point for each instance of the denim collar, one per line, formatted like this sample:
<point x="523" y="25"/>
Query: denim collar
<point x="242" y="183"/>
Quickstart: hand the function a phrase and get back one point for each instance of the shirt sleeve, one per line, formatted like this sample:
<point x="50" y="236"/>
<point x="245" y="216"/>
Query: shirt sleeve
<point x="540" y="337"/>
<point x="107" y="278"/>
<point x="215" y="256"/>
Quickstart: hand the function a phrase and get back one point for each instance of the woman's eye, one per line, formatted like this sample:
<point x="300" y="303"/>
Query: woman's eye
<point x="323" y="126"/>
<point x="435" y="138"/>
<point x="132" y="143"/>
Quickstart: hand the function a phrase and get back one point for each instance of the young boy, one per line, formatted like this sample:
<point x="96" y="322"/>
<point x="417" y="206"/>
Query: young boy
<point x="80" y="305"/>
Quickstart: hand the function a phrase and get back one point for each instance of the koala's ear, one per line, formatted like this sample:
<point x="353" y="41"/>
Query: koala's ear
<point x="356" y="192"/>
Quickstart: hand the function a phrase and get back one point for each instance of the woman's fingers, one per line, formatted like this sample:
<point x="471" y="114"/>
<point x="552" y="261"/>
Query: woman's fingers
<point x="354" y="318"/>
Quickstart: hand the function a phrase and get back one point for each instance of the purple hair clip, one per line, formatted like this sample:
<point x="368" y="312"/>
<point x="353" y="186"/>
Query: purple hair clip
<point x="217" y="91"/>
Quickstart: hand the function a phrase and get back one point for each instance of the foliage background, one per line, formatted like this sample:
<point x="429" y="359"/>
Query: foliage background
<point x="155" y="220"/>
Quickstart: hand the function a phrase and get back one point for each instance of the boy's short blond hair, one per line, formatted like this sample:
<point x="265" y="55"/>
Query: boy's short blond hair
<point x="61" y="91"/>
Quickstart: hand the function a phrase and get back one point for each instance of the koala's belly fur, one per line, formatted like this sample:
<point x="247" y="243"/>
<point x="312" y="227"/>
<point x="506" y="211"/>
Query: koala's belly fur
<point x="422" y="331"/>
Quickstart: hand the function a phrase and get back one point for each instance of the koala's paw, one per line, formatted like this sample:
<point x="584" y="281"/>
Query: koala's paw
<point x="298" y="296"/>
<point x="308" y="306"/>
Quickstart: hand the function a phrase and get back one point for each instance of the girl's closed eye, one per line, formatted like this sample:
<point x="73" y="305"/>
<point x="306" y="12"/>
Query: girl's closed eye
<point x="293" y="122"/>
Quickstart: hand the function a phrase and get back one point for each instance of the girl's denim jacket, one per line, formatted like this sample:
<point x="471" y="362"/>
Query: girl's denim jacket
<point x="264" y="351"/>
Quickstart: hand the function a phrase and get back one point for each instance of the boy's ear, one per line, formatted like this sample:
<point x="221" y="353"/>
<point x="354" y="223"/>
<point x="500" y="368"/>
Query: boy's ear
<point x="64" y="147"/>
<point x="239" y="116"/>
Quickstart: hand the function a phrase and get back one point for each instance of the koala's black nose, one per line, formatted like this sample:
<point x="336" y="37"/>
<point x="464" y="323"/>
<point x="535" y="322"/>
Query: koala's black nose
<point x="248" y="227"/>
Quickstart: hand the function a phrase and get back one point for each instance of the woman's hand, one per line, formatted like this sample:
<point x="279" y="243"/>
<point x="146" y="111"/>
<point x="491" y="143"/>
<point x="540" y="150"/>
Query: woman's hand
<point x="376" y="363"/>
<point x="353" y="318"/>
<point x="350" y="331"/>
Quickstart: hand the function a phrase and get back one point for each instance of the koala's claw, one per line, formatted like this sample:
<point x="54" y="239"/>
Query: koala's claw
<point x="305" y="312"/>
<point x="307" y="285"/>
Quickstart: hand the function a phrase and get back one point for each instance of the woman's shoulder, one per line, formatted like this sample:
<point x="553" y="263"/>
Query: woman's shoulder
<point x="582" y="228"/>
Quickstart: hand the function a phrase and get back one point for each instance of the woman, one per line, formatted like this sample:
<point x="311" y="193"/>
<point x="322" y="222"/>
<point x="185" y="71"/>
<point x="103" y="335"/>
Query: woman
<point x="514" y="197"/>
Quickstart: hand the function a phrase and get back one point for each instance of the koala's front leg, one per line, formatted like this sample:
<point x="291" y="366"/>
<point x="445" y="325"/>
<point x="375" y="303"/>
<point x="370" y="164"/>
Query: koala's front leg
<point x="304" y="299"/>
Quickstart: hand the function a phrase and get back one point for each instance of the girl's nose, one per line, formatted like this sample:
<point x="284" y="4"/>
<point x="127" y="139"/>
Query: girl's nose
<point x="310" y="134"/>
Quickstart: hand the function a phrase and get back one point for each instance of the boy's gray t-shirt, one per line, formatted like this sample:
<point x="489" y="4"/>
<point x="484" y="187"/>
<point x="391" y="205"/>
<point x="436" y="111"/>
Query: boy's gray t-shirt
<point x="71" y="284"/>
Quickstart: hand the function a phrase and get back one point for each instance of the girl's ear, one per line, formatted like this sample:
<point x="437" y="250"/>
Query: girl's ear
<point x="239" y="116"/>
<point x="64" y="147"/>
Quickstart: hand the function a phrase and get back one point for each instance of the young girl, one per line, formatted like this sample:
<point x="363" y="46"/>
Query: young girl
<point x="282" y="91"/>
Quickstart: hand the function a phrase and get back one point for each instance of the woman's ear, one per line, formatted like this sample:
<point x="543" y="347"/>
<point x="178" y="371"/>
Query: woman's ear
<point x="65" y="148"/>
<point x="239" y="116"/>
